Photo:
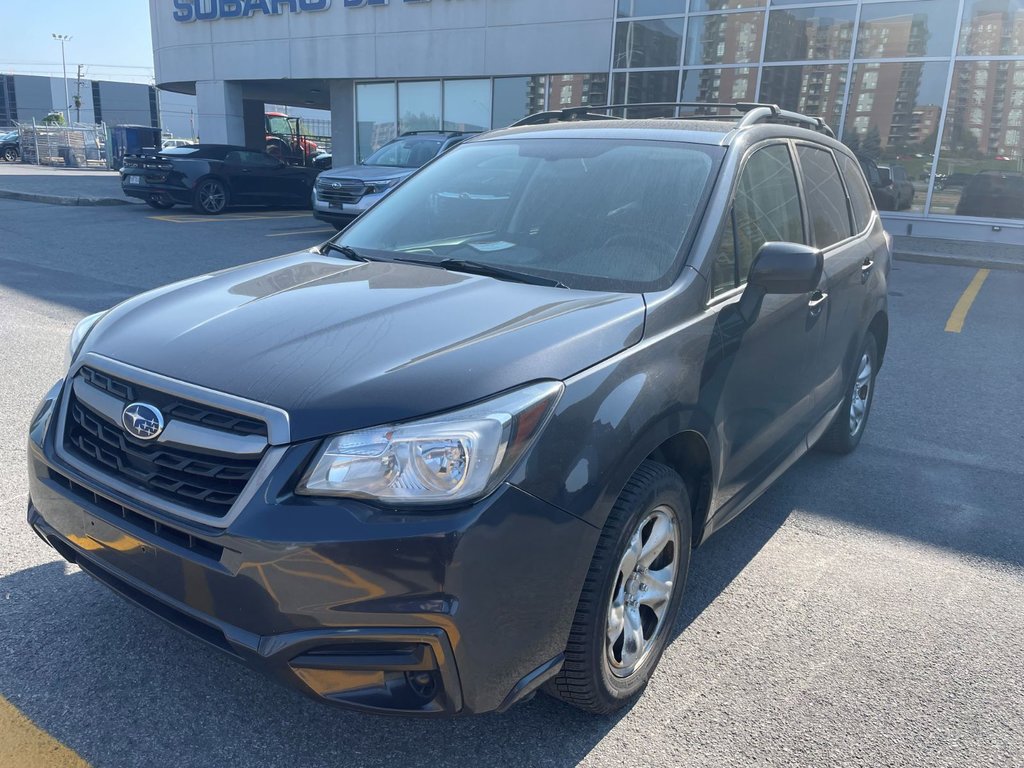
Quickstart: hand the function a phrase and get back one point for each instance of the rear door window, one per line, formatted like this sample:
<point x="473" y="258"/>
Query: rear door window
<point x="766" y="207"/>
<point x="860" y="196"/>
<point x="826" y="199"/>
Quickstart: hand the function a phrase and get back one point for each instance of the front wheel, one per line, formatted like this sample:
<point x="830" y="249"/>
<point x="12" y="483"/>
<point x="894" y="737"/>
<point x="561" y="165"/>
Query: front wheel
<point x="631" y="596"/>
<point x="211" y="197"/>
<point x="11" y="155"/>
<point x="845" y="432"/>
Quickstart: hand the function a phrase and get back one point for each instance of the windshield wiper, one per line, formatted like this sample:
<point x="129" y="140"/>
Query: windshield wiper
<point x="344" y="250"/>
<point x="487" y="270"/>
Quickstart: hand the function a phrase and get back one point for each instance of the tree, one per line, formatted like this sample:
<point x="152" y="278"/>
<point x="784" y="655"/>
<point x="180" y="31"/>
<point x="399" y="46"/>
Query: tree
<point x="852" y="140"/>
<point x="54" y="118"/>
<point x="871" y="146"/>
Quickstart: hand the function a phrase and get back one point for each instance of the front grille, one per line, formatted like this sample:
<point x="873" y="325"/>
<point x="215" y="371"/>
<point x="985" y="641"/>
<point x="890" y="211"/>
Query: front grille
<point x="172" y="407"/>
<point x="206" y="482"/>
<point x="340" y="190"/>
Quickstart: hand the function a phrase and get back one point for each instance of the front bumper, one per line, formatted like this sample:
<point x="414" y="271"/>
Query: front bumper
<point x="460" y="611"/>
<point x="343" y="214"/>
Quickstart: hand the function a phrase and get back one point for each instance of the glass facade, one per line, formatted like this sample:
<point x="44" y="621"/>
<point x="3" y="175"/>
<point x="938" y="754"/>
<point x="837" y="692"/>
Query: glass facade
<point x="929" y="93"/>
<point x="384" y="110"/>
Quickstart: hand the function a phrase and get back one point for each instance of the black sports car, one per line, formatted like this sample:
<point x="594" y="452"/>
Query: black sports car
<point x="210" y="177"/>
<point x="10" y="147"/>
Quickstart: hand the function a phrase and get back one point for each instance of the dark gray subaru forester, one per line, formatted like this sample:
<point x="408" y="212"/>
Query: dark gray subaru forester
<point x="465" y="449"/>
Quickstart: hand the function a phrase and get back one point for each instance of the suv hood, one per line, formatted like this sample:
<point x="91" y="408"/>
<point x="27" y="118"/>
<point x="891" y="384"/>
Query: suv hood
<point x="367" y="172"/>
<point x="342" y="345"/>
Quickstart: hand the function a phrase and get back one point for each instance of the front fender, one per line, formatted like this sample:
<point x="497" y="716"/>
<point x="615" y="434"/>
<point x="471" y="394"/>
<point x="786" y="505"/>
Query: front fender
<point x="613" y="416"/>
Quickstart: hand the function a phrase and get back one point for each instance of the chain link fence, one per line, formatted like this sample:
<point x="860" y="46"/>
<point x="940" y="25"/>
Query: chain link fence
<point x="70" y="146"/>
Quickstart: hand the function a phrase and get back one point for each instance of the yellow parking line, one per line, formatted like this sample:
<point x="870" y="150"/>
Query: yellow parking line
<point x="300" y="232"/>
<point x="955" y="324"/>
<point x="24" y="745"/>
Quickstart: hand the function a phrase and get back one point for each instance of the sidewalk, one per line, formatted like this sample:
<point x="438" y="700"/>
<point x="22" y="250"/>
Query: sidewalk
<point x="61" y="186"/>
<point x="959" y="253"/>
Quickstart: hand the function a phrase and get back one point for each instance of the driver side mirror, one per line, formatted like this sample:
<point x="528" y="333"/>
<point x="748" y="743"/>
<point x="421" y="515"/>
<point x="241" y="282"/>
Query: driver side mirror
<point x="782" y="268"/>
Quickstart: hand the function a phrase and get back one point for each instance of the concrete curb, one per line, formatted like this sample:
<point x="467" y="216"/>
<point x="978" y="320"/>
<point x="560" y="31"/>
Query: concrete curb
<point x="35" y="197"/>
<point x="978" y="262"/>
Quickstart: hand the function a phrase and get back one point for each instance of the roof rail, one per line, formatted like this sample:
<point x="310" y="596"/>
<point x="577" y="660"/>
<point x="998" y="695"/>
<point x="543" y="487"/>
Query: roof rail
<point x="436" y="131"/>
<point x="771" y="113"/>
<point x="751" y="113"/>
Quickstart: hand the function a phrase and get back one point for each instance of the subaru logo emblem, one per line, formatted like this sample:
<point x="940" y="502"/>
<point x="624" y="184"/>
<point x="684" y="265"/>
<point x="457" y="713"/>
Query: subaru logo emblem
<point x="143" y="421"/>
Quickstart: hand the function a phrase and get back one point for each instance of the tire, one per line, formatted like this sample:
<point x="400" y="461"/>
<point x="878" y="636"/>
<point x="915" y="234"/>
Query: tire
<point x="160" y="202"/>
<point x="600" y="675"/>
<point x="11" y="155"/>
<point x="211" y="197"/>
<point x="845" y="432"/>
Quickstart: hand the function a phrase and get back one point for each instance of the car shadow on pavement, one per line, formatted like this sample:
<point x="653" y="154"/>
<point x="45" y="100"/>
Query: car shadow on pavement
<point x="119" y="686"/>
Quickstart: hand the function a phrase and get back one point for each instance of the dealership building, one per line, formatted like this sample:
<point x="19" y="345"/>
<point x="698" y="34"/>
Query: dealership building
<point x="932" y="89"/>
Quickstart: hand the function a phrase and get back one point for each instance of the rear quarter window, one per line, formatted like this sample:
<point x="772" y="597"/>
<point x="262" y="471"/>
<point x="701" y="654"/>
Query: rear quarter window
<point x="860" y="196"/>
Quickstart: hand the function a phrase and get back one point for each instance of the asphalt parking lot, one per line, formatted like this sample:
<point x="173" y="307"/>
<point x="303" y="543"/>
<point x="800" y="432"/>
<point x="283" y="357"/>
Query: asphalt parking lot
<point x="866" y="611"/>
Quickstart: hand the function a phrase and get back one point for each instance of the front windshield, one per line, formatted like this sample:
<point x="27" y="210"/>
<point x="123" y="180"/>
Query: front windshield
<point x="405" y="153"/>
<point x="280" y="125"/>
<point x="590" y="213"/>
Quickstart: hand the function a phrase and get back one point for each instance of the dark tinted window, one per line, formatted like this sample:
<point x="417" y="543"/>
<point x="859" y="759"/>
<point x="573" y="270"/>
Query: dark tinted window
<point x="826" y="199"/>
<point x="592" y="213"/>
<point x="256" y="159"/>
<point x="860" y="197"/>
<point x="766" y="207"/>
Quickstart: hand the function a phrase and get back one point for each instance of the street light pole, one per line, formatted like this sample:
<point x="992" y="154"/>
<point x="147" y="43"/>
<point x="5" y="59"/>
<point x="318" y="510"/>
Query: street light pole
<point x="67" y="94"/>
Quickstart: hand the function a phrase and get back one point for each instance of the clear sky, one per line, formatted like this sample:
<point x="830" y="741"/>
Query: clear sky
<point x="110" y="37"/>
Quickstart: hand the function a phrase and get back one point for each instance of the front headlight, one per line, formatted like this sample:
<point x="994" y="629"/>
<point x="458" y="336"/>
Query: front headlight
<point x="78" y="337"/>
<point x="454" y="457"/>
<point x="381" y="185"/>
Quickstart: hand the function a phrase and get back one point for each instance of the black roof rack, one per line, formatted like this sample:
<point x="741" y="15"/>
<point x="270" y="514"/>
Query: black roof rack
<point x="751" y="113"/>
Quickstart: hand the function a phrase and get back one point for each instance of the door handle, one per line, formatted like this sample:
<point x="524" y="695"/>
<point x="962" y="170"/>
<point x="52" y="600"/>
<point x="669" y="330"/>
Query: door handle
<point x="818" y="299"/>
<point x="866" y="266"/>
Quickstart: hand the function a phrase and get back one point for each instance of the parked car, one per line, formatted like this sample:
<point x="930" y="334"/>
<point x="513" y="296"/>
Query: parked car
<point x="322" y="161"/>
<point x="175" y="143"/>
<point x="344" y="193"/>
<point x="211" y="177"/>
<point x="901" y="183"/>
<point x="952" y="180"/>
<point x="466" y="448"/>
<point x="996" y="194"/>
<point x="890" y="186"/>
<point x="10" y="147"/>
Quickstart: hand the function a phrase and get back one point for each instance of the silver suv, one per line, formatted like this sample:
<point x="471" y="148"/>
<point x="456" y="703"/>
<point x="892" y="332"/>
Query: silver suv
<point x="342" y="194"/>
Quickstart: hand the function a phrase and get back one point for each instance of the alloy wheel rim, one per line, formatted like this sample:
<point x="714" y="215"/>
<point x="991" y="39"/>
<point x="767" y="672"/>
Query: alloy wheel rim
<point x="644" y="585"/>
<point x="211" y="197"/>
<point x="861" y="395"/>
